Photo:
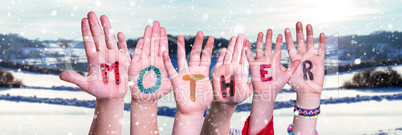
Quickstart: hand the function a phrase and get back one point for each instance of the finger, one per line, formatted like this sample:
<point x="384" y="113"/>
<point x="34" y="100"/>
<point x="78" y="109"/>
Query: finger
<point x="228" y="56"/>
<point x="181" y="53"/>
<point x="74" y="77"/>
<point x="109" y="34"/>
<point x="222" y="54"/>
<point x="197" y="48"/>
<point x="278" y="48"/>
<point x="137" y="52"/>
<point x="89" y="44"/>
<point x="122" y="43"/>
<point x="268" y="43"/>
<point x="207" y="52"/>
<point x="155" y="38"/>
<point x="300" y="38"/>
<point x="169" y="66"/>
<point x="321" y="47"/>
<point x="259" y="52"/>
<point x="238" y="48"/>
<point x="310" y="39"/>
<point x="96" y="32"/>
<point x="123" y="49"/>
<point x="164" y="44"/>
<point x="289" y="44"/>
<point x="147" y="40"/>
<point x="279" y="39"/>
<point x="136" y="65"/>
<point x="250" y="57"/>
<point x="243" y="52"/>
<point x="292" y="68"/>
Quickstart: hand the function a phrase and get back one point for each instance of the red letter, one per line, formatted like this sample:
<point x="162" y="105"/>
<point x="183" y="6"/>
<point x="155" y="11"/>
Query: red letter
<point x="105" y="68"/>
<point x="264" y="72"/>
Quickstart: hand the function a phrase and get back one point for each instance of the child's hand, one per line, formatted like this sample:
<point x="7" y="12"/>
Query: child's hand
<point x="308" y="79"/>
<point x="192" y="87"/>
<point x="107" y="73"/>
<point x="267" y="73"/>
<point x="268" y="77"/>
<point x="107" y="64"/>
<point x="232" y="68"/>
<point x="147" y="70"/>
<point x="149" y="76"/>
<point x="231" y="87"/>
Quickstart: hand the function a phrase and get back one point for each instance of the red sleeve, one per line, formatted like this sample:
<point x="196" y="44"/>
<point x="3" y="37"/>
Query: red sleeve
<point x="267" y="130"/>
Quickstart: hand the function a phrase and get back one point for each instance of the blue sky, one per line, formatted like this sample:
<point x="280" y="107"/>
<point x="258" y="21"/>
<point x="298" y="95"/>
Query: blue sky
<point x="48" y="19"/>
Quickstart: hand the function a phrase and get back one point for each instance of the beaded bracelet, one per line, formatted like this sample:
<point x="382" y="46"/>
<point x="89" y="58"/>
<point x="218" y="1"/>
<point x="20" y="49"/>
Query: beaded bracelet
<point x="307" y="113"/>
<point x="291" y="133"/>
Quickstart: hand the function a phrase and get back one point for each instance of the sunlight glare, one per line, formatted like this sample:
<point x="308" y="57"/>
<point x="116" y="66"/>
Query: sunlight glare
<point x="330" y="11"/>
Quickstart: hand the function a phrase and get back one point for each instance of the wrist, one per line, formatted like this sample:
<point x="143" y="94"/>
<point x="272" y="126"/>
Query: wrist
<point x="308" y="100"/>
<point x="264" y="96"/>
<point x="189" y="123"/>
<point x="190" y="114"/>
<point x="222" y="107"/>
<point x="144" y="103"/>
<point x="109" y="101"/>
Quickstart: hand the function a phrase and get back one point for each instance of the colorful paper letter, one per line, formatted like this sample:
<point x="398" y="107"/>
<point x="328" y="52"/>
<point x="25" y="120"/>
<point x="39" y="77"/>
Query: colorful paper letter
<point x="306" y="70"/>
<point x="192" y="78"/>
<point x="263" y="72"/>
<point x="225" y="85"/>
<point x="141" y="78"/>
<point x="105" y="68"/>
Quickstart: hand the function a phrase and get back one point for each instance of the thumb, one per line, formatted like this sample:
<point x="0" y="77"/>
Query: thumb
<point x="74" y="77"/>
<point x="250" y="86"/>
<point x="292" y="68"/>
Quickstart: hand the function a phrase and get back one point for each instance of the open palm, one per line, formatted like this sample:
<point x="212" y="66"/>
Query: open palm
<point x="309" y="76"/>
<point x="232" y="63"/>
<point x="102" y="54"/>
<point x="192" y="87"/>
<point x="147" y="70"/>
<point x="268" y="74"/>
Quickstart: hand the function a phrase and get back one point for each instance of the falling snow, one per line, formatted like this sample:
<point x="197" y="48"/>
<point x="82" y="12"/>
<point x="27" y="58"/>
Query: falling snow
<point x="98" y="3"/>
<point x="228" y="22"/>
<point x="53" y="13"/>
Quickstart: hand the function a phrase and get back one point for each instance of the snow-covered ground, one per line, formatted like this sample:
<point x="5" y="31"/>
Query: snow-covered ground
<point x="350" y="119"/>
<point x="26" y="118"/>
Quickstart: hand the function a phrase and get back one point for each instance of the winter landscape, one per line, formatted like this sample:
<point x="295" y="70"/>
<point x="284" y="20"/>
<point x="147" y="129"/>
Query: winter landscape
<point x="362" y="93"/>
<point x="46" y="101"/>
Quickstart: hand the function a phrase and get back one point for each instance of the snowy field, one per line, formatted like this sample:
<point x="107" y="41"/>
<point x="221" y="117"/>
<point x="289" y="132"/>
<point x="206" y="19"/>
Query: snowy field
<point x="26" y="118"/>
<point x="351" y="119"/>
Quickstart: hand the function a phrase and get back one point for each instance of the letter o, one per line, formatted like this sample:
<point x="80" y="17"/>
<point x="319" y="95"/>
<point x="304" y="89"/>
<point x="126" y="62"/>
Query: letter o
<point x="157" y="83"/>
